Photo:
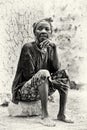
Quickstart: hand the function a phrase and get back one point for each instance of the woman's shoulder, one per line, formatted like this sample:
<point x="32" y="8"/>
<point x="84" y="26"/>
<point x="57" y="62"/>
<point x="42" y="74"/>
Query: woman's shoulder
<point x="28" y="45"/>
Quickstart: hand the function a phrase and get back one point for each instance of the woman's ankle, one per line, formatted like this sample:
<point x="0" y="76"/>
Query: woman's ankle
<point x="44" y="114"/>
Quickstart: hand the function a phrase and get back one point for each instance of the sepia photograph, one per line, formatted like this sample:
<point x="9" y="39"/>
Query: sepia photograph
<point x="43" y="65"/>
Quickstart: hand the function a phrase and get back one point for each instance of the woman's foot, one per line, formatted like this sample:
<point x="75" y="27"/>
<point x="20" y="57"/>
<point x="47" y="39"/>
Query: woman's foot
<point x="64" y="119"/>
<point x="47" y="122"/>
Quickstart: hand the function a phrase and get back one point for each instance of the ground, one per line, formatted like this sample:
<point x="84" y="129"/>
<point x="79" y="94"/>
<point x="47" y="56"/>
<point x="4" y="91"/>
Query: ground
<point x="76" y="109"/>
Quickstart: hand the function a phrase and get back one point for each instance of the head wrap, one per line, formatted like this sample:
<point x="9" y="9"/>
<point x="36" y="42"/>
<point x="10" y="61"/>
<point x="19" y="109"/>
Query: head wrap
<point x="49" y="20"/>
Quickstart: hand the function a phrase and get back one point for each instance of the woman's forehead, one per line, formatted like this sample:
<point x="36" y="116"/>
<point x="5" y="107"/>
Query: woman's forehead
<point x="43" y="24"/>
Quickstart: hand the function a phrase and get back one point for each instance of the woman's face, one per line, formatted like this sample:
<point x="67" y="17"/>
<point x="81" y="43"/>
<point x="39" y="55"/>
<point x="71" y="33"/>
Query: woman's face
<point x="43" y="31"/>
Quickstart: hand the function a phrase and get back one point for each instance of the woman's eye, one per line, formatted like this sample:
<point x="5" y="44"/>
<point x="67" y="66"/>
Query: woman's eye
<point x="47" y="29"/>
<point x="40" y="28"/>
<point x="43" y="28"/>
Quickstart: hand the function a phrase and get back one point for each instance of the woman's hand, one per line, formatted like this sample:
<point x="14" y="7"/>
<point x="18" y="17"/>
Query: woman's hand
<point x="46" y="43"/>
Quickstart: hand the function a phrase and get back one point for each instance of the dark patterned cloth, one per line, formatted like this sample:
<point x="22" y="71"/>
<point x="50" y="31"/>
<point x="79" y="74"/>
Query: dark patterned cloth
<point x="61" y="77"/>
<point x="29" y="91"/>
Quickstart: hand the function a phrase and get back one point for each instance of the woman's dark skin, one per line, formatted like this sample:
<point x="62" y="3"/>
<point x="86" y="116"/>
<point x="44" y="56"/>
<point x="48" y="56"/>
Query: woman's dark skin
<point x="42" y="34"/>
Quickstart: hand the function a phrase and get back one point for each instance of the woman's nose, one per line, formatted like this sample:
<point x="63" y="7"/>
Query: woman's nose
<point x="43" y="31"/>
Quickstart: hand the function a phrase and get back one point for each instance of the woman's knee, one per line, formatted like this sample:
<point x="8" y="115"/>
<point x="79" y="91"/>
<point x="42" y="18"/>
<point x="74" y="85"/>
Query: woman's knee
<point x="40" y="78"/>
<point x="44" y="74"/>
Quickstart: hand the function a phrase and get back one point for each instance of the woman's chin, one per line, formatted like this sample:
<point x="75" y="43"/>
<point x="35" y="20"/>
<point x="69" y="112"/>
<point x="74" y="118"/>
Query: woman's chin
<point x="41" y="39"/>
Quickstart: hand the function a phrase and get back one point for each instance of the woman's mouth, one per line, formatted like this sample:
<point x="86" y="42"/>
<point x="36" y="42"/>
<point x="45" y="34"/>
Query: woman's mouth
<point x="44" y="35"/>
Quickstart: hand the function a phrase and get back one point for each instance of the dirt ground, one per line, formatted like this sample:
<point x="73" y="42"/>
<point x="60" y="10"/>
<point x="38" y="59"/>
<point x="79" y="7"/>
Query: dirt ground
<point x="76" y="109"/>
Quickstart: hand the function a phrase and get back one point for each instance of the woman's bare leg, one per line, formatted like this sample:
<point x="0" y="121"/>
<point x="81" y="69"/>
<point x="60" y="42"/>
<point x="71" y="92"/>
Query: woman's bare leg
<point x="43" y="91"/>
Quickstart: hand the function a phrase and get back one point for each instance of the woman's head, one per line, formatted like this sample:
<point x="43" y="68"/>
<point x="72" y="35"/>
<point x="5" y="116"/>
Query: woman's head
<point x="42" y="29"/>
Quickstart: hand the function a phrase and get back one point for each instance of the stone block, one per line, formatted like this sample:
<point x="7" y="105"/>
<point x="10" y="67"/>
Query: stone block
<point x="24" y="109"/>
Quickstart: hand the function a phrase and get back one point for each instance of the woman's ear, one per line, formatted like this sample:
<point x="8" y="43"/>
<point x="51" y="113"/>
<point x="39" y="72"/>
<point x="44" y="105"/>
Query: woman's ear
<point x="34" y="27"/>
<point x="34" y="24"/>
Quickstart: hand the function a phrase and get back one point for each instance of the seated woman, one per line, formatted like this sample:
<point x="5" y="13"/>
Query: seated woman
<point x="38" y="74"/>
